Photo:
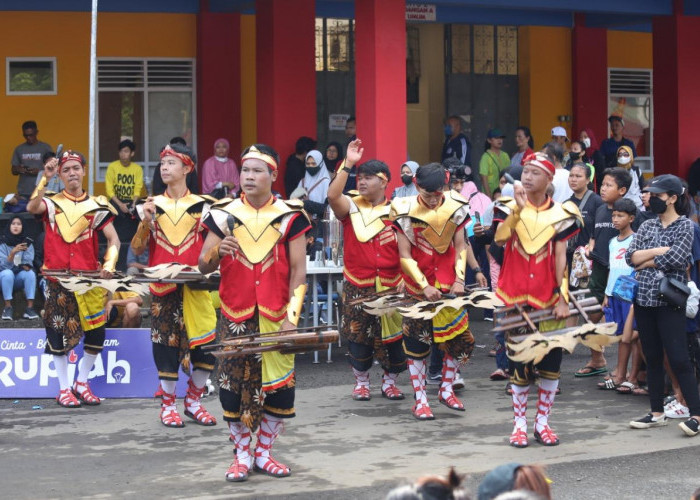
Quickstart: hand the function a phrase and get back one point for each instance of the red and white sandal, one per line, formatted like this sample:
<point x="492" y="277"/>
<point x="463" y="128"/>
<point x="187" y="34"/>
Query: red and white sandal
<point x="547" y="437"/>
<point x="272" y="467"/>
<point x="451" y="402"/>
<point x="67" y="399"/>
<point x="84" y="394"/>
<point x="194" y="408"/>
<point x="361" y="393"/>
<point x="422" y="411"/>
<point x="237" y="472"/>
<point x="392" y="392"/>
<point x="518" y="438"/>
<point x="169" y="416"/>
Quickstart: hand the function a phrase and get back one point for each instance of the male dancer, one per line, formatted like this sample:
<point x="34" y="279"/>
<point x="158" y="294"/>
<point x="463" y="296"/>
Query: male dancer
<point x="258" y="239"/>
<point x="371" y="264"/>
<point x="182" y="320"/>
<point x="72" y="220"/>
<point x="434" y="254"/>
<point x="534" y="230"/>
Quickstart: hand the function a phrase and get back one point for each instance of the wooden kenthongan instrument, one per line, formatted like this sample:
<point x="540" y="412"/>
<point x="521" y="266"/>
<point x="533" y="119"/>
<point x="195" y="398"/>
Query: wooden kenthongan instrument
<point x="526" y="343"/>
<point x="296" y="340"/>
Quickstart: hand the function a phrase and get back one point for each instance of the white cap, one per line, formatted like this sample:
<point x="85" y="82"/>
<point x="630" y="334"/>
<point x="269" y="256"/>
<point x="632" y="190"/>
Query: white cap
<point x="559" y="132"/>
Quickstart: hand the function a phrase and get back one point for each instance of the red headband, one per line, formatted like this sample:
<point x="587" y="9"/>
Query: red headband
<point x="541" y="161"/>
<point x="71" y="155"/>
<point x="168" y="151"/>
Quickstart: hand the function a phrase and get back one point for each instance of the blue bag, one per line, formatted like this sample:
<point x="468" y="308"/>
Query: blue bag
<point x="625" y="288"/>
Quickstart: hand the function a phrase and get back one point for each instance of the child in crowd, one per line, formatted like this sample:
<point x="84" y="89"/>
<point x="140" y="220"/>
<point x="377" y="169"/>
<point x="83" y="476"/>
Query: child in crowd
<point x="616" y="309"/>
<point x="616" y="182"/>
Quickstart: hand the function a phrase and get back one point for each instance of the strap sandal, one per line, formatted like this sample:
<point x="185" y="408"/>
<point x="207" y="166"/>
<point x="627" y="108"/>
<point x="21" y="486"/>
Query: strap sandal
<point x="67" y="399"/>
<point x="422" y="411"/>
<point x="237" y="472"/>
<point x="518" y="439"/>
<point x="451" y="402"/>
<point x="169" y="416"/>
<point x="361" y="393"/>
<point x="84" y="394"/>
<point x="192" y="402"/>
<point x="392" y="392"/>
<point x="201" y="416"/>
<point x="607" y="385"/>
<point x="547" y="437"/>
<point x="590" y="371"/>
<point x="271" y="467"/>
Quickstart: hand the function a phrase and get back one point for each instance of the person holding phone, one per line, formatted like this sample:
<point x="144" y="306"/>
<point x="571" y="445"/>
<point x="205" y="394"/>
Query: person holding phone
<point x="16" y="271"/>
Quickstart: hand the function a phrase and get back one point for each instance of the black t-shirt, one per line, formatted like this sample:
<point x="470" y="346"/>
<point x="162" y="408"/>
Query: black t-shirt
<point x="604" y="231"/>
<point x="459" y="148"/>
<point x="588" y="212"/>
<point x="294" y="173"/>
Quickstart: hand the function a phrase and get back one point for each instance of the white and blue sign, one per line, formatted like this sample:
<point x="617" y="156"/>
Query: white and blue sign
<point x="124" y="369"/>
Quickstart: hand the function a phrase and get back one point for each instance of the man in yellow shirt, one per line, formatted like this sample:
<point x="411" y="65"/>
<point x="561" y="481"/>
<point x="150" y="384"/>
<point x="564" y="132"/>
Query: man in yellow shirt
<point x="123" y="184"/>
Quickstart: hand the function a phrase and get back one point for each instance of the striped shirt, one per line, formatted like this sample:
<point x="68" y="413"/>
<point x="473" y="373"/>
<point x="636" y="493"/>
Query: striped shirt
<point x="651" y="234"/>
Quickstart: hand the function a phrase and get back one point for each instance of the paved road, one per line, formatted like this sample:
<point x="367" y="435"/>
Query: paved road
<point x="339" y="448"/>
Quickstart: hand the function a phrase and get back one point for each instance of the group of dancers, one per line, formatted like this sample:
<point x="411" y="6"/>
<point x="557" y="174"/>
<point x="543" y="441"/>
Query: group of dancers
<point x="413" y="245"/>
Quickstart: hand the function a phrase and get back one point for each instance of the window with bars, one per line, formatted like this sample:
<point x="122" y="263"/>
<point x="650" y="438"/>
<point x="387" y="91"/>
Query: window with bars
<point x="148" y="101"/>
<point x="482" y="49"/>
<point x="335" y="44"/>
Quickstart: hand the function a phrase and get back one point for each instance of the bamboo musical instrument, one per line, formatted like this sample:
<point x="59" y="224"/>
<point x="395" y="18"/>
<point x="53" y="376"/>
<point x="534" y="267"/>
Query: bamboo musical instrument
<point x="284" y="341"/>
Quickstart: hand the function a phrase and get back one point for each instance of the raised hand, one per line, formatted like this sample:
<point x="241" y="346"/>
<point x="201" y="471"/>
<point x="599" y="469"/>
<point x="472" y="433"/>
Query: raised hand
<point x="354" y="153"/>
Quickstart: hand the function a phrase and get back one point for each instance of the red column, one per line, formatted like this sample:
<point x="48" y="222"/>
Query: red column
<point x="380" y="81"/>
<point x="676" y="101"/>
<point x="218" y="82"/>
<point x="286" y="75"/>
<point x="589" y="47"/>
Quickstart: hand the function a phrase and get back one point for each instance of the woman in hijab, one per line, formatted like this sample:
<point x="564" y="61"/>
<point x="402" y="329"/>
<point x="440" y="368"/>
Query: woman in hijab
<point x="625" y="159"/>
<point x="16" y="257"/>
<point x="334" y="153"/>
<point x="313" y="188"/>
<point x="408" y="171"/>
<point x="220" y="175"/>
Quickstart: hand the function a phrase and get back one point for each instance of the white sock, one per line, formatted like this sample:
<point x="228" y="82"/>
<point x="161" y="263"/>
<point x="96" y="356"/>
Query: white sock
<point x="520" y="406"/>
<point x="241" y="440"/>
<point x="199" y="378"/>
<point x="271" y="426"/>
<point x="361" y="377"/>
<point x="168" y="386"/>
<point x="61" y="364"/>
<point x="545" y="400"/>
<point x="416" y="368"/>
<point x="85" y="366"/>
<point x="449" y="371"/>
<point x="388" y="379"/>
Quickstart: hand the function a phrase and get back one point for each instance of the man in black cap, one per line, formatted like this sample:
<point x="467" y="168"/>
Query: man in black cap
<point x="610" y="145"/>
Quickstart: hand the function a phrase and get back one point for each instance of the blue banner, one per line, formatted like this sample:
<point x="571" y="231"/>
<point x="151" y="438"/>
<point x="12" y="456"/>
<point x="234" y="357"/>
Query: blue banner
<point x="124" y="369"/>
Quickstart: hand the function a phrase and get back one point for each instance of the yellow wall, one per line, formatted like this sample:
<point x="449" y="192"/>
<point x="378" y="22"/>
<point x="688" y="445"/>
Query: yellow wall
<point x="63" y="118"/>
<point x="630" y="50"/>
<point x="425" y="129"/>
<point x="249" y="122"/>
<point x="544" y="69"/>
